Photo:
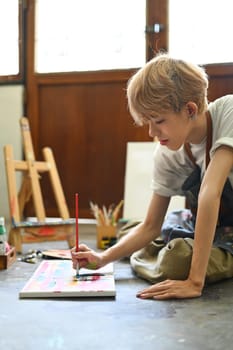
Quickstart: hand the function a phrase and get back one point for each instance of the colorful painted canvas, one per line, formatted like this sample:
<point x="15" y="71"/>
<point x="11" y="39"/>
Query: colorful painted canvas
<point x="56" y="278"/>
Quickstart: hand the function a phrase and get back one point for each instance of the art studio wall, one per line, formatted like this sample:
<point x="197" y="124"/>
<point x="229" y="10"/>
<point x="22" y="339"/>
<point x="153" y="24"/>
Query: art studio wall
<point x="11" y="109"/>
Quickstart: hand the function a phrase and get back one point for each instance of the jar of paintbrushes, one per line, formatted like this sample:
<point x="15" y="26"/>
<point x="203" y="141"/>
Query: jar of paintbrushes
<point x="106" y="223"/>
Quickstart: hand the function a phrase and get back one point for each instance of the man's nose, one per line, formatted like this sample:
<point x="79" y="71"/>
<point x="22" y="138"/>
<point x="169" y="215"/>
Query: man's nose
<point x="153" y="130"/>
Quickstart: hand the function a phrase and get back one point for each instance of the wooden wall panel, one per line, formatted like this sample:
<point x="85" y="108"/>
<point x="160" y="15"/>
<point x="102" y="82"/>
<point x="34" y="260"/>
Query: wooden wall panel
<point x="220" y="86"/>
<point x="87" y="126"/>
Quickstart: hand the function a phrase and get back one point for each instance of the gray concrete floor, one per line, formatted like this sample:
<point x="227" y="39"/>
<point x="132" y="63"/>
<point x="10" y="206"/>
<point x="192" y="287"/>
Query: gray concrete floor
<point x="123" y="323"/>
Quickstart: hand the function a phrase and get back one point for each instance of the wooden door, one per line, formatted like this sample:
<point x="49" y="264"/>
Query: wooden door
<point x="84" y="118"/>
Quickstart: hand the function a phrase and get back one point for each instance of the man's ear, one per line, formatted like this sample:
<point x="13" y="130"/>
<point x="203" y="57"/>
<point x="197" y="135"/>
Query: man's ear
<point x="192" y="109"/>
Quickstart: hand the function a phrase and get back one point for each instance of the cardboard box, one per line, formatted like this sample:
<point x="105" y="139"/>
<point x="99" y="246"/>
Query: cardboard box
<point x="7" y="259"/>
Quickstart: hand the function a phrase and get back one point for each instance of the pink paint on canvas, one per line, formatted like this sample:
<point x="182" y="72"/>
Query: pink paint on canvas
<point x="55" y="278"/>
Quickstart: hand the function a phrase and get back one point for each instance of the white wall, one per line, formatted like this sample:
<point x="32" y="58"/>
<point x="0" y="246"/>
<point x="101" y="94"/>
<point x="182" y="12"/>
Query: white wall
<point x="11" y="109"/>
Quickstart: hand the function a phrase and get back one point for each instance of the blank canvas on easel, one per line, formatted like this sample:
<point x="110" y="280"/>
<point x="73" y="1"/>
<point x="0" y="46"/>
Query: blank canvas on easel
<point x="138" y="176"/>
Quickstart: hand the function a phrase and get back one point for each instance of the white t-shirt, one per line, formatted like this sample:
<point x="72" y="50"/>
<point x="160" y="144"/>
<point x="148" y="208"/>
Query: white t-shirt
<point x="171" y="168"/>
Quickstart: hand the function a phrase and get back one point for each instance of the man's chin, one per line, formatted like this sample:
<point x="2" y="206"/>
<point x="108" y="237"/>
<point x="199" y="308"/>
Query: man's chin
<point x="173" y="147"/>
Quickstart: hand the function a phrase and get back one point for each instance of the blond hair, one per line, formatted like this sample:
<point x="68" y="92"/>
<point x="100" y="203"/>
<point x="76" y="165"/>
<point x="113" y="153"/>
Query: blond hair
<point x="166" y="84"/>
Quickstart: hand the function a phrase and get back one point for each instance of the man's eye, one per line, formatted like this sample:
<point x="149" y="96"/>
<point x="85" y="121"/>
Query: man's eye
<point x="159" y="121"/>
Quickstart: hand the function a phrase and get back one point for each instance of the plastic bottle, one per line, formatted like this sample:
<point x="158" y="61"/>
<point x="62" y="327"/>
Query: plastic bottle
<point x="3" y="237"/>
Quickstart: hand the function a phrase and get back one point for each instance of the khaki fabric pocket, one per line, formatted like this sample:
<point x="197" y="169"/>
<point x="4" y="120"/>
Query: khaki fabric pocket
<point x="157" y="262"/>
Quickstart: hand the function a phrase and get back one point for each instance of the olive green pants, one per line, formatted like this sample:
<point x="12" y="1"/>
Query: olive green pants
<point x="157" y="262"/>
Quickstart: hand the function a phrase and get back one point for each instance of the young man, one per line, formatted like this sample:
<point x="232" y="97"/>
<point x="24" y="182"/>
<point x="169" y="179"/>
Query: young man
<point x="194" y="158"/>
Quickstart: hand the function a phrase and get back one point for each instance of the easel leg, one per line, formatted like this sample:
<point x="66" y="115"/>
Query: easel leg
<point x="24" y="194"/>
<point x="70" y="236"/>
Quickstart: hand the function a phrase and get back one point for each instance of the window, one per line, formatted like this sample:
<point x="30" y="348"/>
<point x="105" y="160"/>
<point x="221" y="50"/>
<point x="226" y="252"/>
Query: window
<point x="88" y="35"/>
<point x="200" y="32"/>
<point x="10" y="40"/>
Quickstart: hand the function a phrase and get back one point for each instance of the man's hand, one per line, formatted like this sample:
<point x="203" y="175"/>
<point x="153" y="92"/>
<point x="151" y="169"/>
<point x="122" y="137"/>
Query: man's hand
<point x="86" y="257"/>
<point x="171" y="289"/>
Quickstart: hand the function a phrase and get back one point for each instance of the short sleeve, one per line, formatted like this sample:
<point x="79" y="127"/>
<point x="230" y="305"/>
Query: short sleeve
<point x="222" y="118"/>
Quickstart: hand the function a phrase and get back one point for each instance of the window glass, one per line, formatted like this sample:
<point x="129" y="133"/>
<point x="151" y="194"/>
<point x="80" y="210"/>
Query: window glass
<point x="84" y="35"/>
<point x="9" y="37"/>
<point x="201" y="30"/>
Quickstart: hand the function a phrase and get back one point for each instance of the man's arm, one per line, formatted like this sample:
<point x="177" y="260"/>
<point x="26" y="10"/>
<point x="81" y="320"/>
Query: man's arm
<point x="208" y="209"/>
<point x="136" y="239"/>
<point x="141" y="234"/>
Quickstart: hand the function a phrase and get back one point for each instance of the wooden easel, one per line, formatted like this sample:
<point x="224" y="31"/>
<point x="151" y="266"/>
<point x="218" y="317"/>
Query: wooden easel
<point x="41" y="228"/>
